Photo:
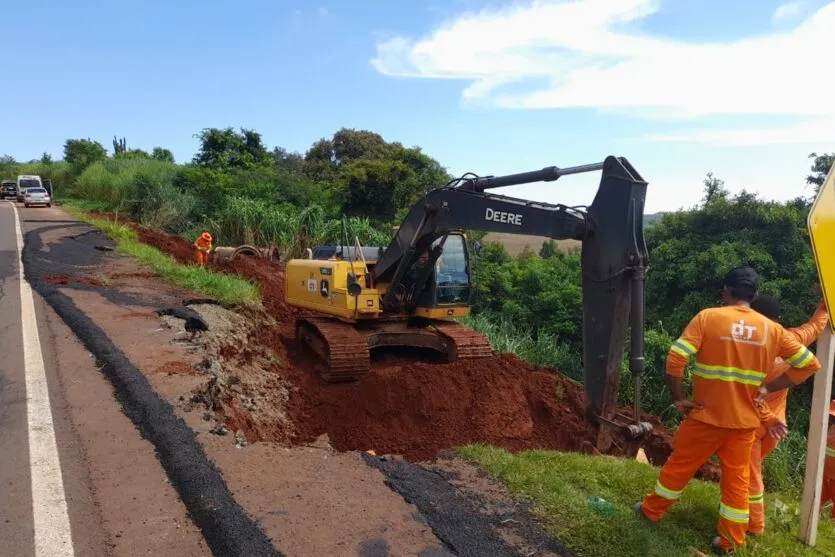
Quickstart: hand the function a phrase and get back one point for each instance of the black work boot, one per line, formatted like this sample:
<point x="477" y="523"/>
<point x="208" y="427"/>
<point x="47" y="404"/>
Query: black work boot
<point x="716" y="547"/>
<point x="639" y="510"/>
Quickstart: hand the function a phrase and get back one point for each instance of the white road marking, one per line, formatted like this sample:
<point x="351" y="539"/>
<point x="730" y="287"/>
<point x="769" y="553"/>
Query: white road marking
<point x="53" y="537"/>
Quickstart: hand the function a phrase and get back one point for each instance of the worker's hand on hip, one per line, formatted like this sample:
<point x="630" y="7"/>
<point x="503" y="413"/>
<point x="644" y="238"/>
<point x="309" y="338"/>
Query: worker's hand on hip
<point x="778" y="430"/>
<point x="685" y="406"/>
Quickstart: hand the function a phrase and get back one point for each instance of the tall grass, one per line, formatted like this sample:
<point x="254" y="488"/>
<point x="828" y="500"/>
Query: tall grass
<point x="141" y="188"/>
<point x="144" y="189"/>
<point x="543" y="349"/>
<point x="250" y="221"/>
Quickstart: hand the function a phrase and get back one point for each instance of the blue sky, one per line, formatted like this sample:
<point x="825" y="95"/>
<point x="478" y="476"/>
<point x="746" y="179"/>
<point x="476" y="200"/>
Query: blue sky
<point x="678" y="87"/>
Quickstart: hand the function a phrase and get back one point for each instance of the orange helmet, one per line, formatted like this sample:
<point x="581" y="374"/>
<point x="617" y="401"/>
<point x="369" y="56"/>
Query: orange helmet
<point x="206" y="236"/>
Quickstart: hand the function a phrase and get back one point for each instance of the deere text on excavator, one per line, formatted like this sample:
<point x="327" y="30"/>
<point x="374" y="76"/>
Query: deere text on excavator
<point x="412" y="291"/>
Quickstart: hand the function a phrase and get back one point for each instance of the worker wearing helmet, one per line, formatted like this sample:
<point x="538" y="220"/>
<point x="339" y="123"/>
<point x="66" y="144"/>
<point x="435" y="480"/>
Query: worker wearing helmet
<point x="734" y="348"/>
<point x="202" y="247"/>
<point x="764" y="443"/>
<point x="828" y="487"/>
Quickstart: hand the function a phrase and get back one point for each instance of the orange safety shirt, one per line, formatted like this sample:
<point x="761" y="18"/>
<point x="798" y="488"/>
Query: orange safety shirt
<point x="734" y="347"/>
<point x="806" y="335"/>
<point x="202" y="244"/>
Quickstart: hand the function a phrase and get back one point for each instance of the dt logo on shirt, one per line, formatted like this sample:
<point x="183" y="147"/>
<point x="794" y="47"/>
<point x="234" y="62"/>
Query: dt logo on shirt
<point x="741" y="331"/>
<point x="748" y="334"/>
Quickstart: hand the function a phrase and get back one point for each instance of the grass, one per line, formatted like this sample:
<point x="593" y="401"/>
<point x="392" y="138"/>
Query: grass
<point x="560" y="486"/>
<point x="544" y="349"/>
<point x="225" y="288"/>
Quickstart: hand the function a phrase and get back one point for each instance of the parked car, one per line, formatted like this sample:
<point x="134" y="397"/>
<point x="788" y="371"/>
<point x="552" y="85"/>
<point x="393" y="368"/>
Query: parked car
<point x="37" y="196"/>
<point x="8" y="189"/>
<point x="26" y="181"/>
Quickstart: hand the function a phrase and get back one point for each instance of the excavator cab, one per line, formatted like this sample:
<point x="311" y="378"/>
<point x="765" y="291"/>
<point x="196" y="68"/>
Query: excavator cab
<point x="447" y="290"/>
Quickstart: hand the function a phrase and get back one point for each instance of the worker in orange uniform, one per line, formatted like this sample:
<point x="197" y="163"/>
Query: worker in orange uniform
<point x="764" y="443"/>
<point x="202" y="247"/>
<point x="734" y="348"/>
<point x="828" y="487"/>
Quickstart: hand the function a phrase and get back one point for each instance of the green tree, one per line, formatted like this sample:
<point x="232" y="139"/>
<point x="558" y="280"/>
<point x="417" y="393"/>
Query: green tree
<point x="46" y="159"/>
<point x="714" y="189"/>
<point x="8" y="167"/>
<point x="226" y="149"/>
<point x="81" y="153"/>
<point x="161" y="154"/>
<point x="690" y="252"/>
<point x="323" y="159"/>
<point x="430" y="173"/>
<point x="820" y="168"/>
<point x="376" y="189"/>
<point x="285" y="160"/>
<point x="549" y="249"/>
<point x="120" y="146"/>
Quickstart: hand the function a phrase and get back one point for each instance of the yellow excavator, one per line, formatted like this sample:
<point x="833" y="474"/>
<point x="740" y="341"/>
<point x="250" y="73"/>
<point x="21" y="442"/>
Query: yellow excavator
<point x="410" y="293"/>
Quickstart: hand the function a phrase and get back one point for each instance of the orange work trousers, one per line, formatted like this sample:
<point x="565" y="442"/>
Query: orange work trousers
<point x="201" y="257"/>
<point x="763" y="445"/>
<point x="694" y="443"/>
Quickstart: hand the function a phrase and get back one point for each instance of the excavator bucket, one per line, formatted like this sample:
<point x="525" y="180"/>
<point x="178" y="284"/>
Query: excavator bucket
<point x="614" y="258"/>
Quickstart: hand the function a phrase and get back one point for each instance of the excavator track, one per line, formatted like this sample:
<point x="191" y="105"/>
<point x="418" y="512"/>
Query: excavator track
<point x="343" y="349"/>
<point x="468" y="343"/>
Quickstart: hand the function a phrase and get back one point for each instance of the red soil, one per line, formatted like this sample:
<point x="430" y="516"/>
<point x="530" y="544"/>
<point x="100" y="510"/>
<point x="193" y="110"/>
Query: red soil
<point x="64" y="279"/>
<point x="176" y="368"/>
<point x="416" y="408"/>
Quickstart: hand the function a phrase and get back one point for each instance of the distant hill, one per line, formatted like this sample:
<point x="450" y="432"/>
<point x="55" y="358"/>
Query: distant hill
<point x="652" y="218"/>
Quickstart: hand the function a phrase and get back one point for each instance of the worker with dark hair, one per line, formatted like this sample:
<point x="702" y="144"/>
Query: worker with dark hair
<point x="734" y="348"/>
<point x="764" y="443"/>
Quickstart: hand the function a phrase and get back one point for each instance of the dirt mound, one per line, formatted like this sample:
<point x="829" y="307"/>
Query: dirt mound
<point x="179" y="248"/>
<point x="270" y="280"/>
<point x="418" y="409"/>
<point x="405" y="406"/>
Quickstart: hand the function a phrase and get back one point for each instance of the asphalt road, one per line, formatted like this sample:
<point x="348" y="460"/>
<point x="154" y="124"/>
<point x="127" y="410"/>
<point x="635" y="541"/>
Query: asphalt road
<point x="76" y="478"/>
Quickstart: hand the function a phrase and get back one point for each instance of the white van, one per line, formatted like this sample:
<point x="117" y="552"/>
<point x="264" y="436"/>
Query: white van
<point x="25" y="181"/>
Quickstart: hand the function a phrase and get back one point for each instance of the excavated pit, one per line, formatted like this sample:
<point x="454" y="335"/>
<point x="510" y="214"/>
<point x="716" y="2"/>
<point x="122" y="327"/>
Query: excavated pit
<point x="407" y="407"/>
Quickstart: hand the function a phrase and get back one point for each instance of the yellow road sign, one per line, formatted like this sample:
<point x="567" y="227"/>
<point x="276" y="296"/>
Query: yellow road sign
<point x="821" y="224"/>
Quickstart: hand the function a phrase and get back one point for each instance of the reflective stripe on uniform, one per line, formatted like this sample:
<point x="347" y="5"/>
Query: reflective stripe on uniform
<point x="740" y="516"/>
<point x="669" y="494"/>
<point x="830" y="452"/>
<point x="801" y="358"/>
<point x="756" y="498"/>
<point x="731" y="374"/>
<point x="681" y="346"/>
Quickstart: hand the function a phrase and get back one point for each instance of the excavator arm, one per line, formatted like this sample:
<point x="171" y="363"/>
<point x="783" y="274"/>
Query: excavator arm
<point x="614" y="259"/>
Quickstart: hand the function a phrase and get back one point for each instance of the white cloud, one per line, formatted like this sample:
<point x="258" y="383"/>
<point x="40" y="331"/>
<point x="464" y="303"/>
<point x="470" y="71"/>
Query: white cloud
<point x="789" y="10"/>
<point x="590" y="54"/>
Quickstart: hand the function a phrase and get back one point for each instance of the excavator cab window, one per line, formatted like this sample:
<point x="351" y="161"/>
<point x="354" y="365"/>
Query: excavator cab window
<point x="452" y="272"/>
